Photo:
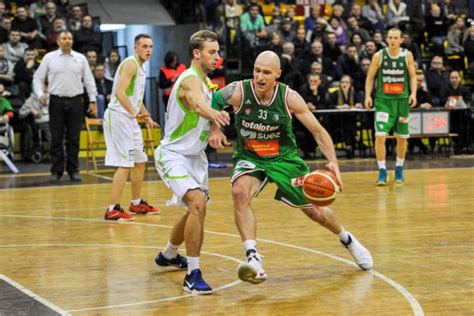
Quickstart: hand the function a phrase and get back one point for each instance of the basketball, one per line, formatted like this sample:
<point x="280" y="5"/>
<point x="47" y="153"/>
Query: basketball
<point x="320" y="187"/>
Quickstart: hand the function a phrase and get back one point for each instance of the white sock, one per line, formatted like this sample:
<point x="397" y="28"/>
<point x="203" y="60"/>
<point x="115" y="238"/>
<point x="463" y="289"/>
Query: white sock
<point x="193" y="263"/>
<point x="344" y="236"/>
<point x="400" y="162"/>
<point x="250" y="244"/>
<point x="137" y="201"/>
<point x="111" y="207"/>
<point x="381" y="164"/>
<point x="170" y="251"/>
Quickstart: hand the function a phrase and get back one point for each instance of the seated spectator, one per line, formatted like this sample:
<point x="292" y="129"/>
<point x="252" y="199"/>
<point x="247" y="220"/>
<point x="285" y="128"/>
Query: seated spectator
<point x="331" y="48"/>
<point x="338" y="11"/>
<point x="348" y="63"/>
<point x="252" y="25"/>
<point x="37" y="9"/>
<point x="372" y="12"/>
<point x="361" y="75"/>
<point x="346" y="98"/>
<point x="412" y="46"/>
<point x="315" y="96"/>
<point x="436" y="27"/>
<point x="46" y="21"/>
<point x="335" y="28"/>
<point x="353" y="27"/>
<point x="6" y="109"/>
<point x="423" y="101"/>
<point x="316" y="54"/>
<point x="455" y="37"/>
<point x="275" y="44"/>
<point x="290" y="67"/>
<point x="290" y="14"/>
<point x="368" y="50"/>
<point x="24" y="70"/>
<point x="75" y="19"/>
<point x="111" y="64"/>
<point x="358" y="42"/>
<point x="3" y="10"/>
<point x="92" y="58"/>
<point x="379" y="41"/>
<point x="14" y="49"/>
<point x="28" y="28"/>
<point x="63" y="8"/>
<point x="300" y="42"/>
<point x="38" y="114"/>
<point x="59" y="25"/>
<point x="86" y="38"/>
<point x="362" y="21"/>
<point x="317" y="69"/>
<point x="104" y="89"/>
<point x="469" y="48"/>
<point x="310" y="21"/>
<point x="286" y="32"/>
<point x="397" y="15"/>
<point x="233" y="12"/>
<point x="455" y="96"/>
<point x="436" y="78"/>
<point x="317" y="33"/>
<point x="5" y="29"/>
<point x="7" y="77"/>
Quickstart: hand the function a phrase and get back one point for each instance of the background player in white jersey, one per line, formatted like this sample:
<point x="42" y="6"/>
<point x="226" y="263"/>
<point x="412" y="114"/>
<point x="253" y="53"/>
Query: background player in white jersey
<point x="123" y="136"/>
<point x="181" y="161"/>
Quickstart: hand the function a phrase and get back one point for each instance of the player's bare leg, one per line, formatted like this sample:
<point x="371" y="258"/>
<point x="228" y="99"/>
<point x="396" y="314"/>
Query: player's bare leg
<point x="380" y="154"/>
<point x="402" y="144"/>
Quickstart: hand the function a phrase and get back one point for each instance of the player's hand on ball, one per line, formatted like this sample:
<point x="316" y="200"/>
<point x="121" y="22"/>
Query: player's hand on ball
<point x="334" y="167"/>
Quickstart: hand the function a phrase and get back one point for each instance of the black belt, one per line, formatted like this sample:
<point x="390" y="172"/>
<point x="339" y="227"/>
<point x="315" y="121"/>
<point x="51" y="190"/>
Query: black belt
<point x="66" y="98"/>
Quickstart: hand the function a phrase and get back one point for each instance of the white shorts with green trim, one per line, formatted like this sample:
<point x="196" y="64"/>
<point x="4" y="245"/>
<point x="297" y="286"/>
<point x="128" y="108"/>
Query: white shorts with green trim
<point x="123" y="139"/>
<point x="182" y="173"/>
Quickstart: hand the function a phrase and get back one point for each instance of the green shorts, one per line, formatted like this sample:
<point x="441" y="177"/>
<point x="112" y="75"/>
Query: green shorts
<point x="392" y="113"/>
<point x="287" y="173"/>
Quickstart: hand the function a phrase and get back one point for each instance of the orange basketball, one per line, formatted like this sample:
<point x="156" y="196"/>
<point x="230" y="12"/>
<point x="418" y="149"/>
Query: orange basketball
<point x="320" y="187"/>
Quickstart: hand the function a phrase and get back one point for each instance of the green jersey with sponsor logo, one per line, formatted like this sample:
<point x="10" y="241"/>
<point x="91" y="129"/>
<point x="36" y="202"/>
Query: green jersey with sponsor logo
<point x="392" y="76"/>
<point x="264" y="131"/>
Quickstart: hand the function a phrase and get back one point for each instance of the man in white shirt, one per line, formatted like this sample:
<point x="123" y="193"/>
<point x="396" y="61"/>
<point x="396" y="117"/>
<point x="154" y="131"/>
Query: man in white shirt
<point x="67" y="73"/>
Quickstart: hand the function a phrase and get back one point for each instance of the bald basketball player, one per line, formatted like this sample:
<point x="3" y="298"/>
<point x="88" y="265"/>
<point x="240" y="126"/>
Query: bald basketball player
<point x="266" y="152"/>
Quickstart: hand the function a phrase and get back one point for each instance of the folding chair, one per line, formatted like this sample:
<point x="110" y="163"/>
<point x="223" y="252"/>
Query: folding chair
<point x="93" y="141"/>
<point x="148" y="140"/>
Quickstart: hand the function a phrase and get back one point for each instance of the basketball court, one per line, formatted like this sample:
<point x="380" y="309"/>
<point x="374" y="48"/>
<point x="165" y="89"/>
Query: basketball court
<point x="58" y="255"/>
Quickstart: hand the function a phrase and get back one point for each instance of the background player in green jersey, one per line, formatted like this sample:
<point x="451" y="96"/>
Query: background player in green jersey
<point x="394" y="70"/>
<point x="266" y="152"/>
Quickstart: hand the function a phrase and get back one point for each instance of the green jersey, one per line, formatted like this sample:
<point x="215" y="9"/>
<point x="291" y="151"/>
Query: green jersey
<point x="392" y="76"/>
<point x="264" y="131"/>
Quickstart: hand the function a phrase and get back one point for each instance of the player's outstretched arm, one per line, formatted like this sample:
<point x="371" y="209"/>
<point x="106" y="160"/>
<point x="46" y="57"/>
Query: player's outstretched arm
<point x="230" y="95"/>
<point x="299" y="108"/>
<point x="191" y="91"/>
<point x="369" y="82"/>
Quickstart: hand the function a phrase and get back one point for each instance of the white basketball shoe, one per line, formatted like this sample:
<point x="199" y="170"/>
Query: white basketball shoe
<point x="360" y="254"/>
<point x="252" y="270"/>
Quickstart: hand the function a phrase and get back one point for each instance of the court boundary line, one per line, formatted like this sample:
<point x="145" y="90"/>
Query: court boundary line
<point x="415" y="305"/>
<point x="33" y="295"/>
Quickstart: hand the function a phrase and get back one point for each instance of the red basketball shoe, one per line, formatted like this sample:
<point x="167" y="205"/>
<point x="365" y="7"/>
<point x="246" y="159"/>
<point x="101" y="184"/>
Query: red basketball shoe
<point x="118" y="214"/>
<point x="143" y="208"/>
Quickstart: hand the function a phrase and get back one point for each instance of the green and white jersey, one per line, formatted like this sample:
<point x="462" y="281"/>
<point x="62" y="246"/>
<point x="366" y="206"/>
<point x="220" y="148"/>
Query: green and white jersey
<point x="185" y="131"/>
<point x="135" y="90"/>
<point x="392" y="76"/>
<point x="264" y="131"/>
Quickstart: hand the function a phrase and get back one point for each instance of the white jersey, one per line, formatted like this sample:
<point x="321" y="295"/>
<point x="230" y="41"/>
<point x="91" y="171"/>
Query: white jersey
<point x="135" y="90"/>
<point x="185" y="131"/>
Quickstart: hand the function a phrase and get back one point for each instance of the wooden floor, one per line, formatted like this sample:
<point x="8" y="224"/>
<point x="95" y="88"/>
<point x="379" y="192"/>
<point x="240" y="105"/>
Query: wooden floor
<point x="54" y="243"/>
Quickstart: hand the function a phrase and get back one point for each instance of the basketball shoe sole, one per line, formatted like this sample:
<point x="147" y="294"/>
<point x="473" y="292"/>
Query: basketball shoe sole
<point x="248" y="273"/>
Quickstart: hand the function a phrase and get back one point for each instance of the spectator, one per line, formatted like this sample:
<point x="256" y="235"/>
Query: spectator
<point x="436" y="78"/>
<point x="379" y="41"/>
<point x="14" y="49"/>
<point x="317" y="69"/>
<point x="331" y="48"/>
<point x="38" y="114"/>
<point x="6" y="110"/>
<point x="310" y="21"/>
<point x="348" y="63"/>
<point x="91" y="56"/>
<point x="353" y="27"/>
<point x="5" y="29"/>
<point x="75" y="20"/>
<point x="358" y="42"/>
<point x="27" y="26"/>
<point x="286" y="32"/>
<point x="7" y="76"/>
<point x="316" y="54"/>
<point x="317" y="33"/>
<point x="46" y="21"/>
<point x="437" y="27"/>
<point x="276" y="16"/>
<point x="412" y="46"/>
<point x="111" y="64"/>
<point x="338" y="11"/>
<point x="63" y="8"/>
<point x="275" y="44"/>
<point x="37" y="9"/>
<point x="362" y="21"/>
<point x="315" y="96"/>
<point x="368" y="50"/>
<point x="361" y="75"/>
<point x="3" y="10"/>
<point x="59" y="25"/>
<point x="455" y="37"/>
<point x="169" y="73"/>
<point x="104" y="89"/>
<point x="397" y="14"/>
<point x="252" y="26"/>
<point x="455" y="96"/>
<point x="233" y="12"/>
<point x="290" y="67"/>
<point x="24" y="71"/>
<point x="346" y="98"/>
<point x="469" y="48"/>
<point x="372" y="12"/>
<point x="300" y="42"/>
<point x="290" y="14"/>
<point x="86" y="38"/>
<point x="67" y="73"/>
<point x="423" y="101"/>
<point x="335" y="28"/>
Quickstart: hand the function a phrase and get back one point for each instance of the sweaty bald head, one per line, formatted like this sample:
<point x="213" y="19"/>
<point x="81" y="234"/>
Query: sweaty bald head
<point x="268" y="59"/>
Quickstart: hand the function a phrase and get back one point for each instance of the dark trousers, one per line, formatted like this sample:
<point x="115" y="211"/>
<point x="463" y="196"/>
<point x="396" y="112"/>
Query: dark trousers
<point x="65" y="118"/>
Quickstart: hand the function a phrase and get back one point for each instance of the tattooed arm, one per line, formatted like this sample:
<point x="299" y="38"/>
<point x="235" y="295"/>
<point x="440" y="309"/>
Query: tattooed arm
<point x="230" y="95"/>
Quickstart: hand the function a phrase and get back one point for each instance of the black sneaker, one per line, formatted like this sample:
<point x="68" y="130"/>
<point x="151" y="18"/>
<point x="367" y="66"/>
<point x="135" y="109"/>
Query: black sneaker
<point x="179" y="261"/>
<point x="194" y="283"/>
